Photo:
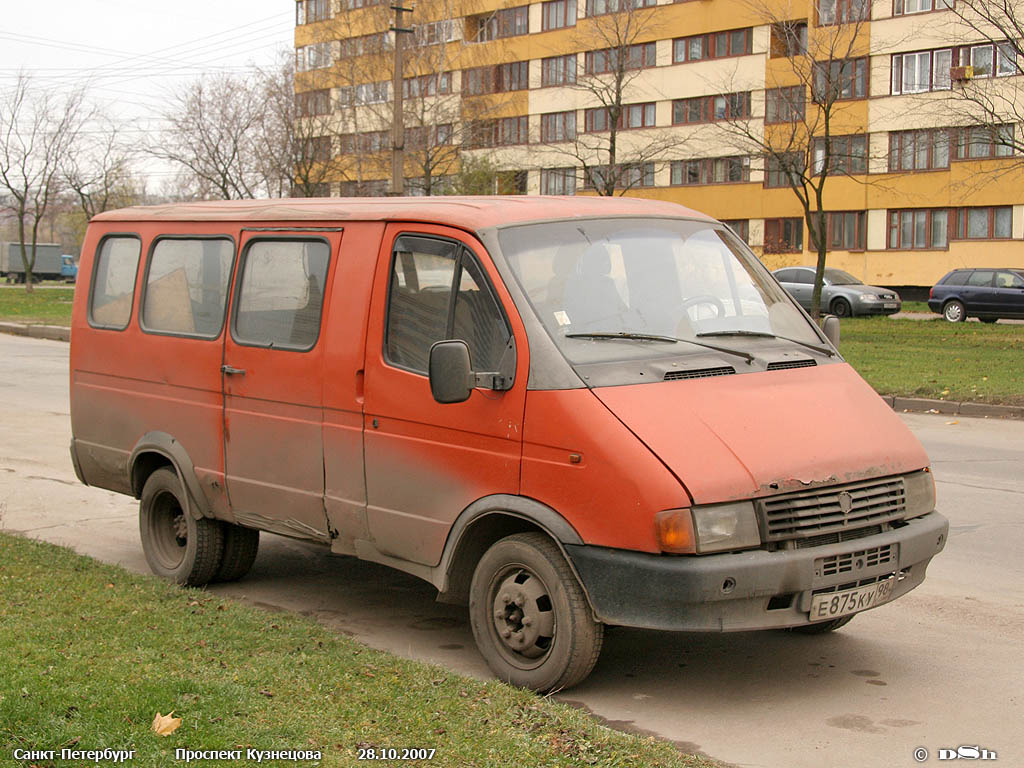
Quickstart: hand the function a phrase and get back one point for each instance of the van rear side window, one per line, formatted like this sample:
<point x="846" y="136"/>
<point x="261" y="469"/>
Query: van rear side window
<point x="186" y="287"/>
<point x="281" y="294"/>
<point x="113" y="285"/>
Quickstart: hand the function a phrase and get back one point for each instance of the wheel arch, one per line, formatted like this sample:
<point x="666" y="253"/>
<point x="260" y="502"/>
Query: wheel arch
<point x="159" y="449"/>
<point x="485" y="522"/>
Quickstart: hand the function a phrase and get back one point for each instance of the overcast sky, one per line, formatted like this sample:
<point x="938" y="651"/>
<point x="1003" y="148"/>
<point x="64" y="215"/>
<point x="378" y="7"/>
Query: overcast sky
<point x="133" y="52"/>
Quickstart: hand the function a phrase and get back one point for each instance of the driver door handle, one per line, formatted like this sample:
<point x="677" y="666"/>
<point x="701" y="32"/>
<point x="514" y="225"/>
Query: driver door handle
<point x="230" y="371"/>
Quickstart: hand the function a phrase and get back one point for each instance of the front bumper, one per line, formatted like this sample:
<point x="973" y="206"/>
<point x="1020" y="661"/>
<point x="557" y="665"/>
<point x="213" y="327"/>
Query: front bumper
<point x="746" y="590"/>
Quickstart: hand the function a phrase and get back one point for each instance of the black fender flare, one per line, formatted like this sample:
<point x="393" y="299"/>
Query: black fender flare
<point x="172" y="450"/>
<point x="530" y="510"/>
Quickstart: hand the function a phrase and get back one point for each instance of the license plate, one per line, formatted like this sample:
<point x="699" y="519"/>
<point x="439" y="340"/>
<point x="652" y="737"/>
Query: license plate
<point x="890" y="306"/>
<point x="832" y="604"/>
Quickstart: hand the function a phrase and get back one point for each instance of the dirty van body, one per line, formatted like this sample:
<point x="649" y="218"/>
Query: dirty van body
<point x="561" y="412"/>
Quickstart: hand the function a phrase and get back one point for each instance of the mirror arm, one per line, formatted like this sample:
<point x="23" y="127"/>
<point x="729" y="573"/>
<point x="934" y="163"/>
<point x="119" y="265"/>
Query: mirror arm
<point x="488" y="380"/>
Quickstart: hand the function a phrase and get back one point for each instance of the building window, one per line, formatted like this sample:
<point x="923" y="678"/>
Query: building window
<point x="842" y="11"/>
<point x="557" y="14"/>
<point x="988" y="223"/>
<point x="789" y="38"/>
<point x="922" y="71"/>
<point x="509" y="131"/>
<point x="984" y="141"/>
<point x="313" y="103"/>
<point x="783" y="235"/>
<point x="320" y="149"/>
<point x="365" y="44"/>
<point x="631" y="116"/>
<point x="310" y="11"/>
<point x="740" y="228"/>
<point x="710" y="170"/>
<point x="558" y="181"/>
<point x="558" y="70"/>
<point x="907" y="7"/>
<point x="558" y="126"/>
<point x="922" y="228"/>
<point x="435" y="32"/>
<point x="316" y="56"/>
<point x="364" y="93"/>
<point x="716" y="45"/>
<point x="919" y="150"/>
<point x="427" y="85"/>
<point x="505" y="22"/>
<point x="1006" y="60"/>
<point x="639" y="56"/>
<point x="624" y="176"/>
<point x="353" y="4"/>
<point x="783" y="170"/>
<point x="840" y="80"/>
<point x="423" y="136"/>
<point x="504" y="77"/>
<point x="849" y="155"/>
<point x="783" y="105"/>
<point x="847" y="230"/>
<point x="707" y="109"/>
<point x="601" y="7"/>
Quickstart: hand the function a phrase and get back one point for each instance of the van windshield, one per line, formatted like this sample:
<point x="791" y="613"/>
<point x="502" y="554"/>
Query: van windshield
<point x="626" y="281"/>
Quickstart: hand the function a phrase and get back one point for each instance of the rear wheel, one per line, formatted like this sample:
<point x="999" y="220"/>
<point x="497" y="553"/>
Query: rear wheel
<point x="822" y="627"/>
<point x="177" y="546"/>
<point x="954" y="311"/>
<point x="841" y="307"/>
<point x="240" y="547"/>
<point x="530" y="617"/>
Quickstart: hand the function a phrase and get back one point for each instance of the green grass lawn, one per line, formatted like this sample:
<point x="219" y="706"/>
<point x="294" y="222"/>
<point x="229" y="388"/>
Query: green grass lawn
<point x="49" y="306"/>
<point x="951" y="361"/>
<point x="89" y="653"/>
<point x="915" y="306"/>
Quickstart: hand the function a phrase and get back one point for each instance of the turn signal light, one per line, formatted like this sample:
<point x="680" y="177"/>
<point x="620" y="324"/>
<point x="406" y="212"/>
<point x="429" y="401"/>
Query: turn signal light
<point x="675" y="530"/>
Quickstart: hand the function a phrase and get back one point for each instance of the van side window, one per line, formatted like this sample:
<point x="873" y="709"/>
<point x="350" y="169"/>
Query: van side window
<point x="113" y="287"/>
<point x="421" y="311"/>
<point x="281" y="294"/>
<point x="186" y="287"/>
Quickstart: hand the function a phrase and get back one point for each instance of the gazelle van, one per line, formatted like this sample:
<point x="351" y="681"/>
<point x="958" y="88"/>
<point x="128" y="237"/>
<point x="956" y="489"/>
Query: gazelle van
<point x="562" y="412"/>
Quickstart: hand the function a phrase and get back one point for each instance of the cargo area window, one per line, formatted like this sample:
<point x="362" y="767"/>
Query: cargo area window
<point x="113" y="284"/>
<point x="281" y="294"/>
<point x="186" y="287"/>
<point x="437" y="292"/>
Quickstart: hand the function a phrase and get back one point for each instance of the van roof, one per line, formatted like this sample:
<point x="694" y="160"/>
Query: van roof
<point x="471" y="213"/>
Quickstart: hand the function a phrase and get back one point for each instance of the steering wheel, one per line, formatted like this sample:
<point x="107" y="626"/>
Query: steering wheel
<point x="706" y="298"/>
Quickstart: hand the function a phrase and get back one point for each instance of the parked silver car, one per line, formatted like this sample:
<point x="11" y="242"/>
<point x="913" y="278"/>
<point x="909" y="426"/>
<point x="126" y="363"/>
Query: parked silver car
<point x="842" y="294"/>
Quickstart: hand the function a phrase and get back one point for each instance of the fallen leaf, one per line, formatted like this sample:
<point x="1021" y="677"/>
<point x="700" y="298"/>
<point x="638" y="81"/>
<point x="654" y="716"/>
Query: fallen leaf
<point x="267" y="693"/>
<point x="165" y="725"/>
<point x="952" y="422"/>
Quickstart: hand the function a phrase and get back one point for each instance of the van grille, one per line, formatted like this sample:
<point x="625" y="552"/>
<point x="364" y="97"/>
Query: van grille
<point x="700" y="373"/>
<point x="836" y="508"/>
<point x="845" y="563"/>
<point x="786" y="364"/>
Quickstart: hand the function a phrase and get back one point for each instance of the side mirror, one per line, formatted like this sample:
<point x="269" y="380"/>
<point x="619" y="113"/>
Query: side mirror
<point x="451" y="374"/>
<point x="830" y="327"/>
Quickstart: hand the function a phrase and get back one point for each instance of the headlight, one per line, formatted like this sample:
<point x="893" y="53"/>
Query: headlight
<point x="920" y="493"/>
<point x="726" y="526"/>
<point x="868" y="297"/>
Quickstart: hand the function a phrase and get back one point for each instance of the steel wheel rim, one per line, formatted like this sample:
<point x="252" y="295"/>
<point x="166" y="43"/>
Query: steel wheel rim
<point x="522" y="617"/>
<point x="169" y="530"/>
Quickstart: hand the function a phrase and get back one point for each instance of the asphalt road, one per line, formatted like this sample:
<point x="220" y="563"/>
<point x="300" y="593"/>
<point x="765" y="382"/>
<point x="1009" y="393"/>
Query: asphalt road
<point x="938" y="669"/>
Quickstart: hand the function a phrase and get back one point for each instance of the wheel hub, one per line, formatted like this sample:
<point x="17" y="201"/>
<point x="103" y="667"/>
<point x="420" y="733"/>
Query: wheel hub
<point x="522" y="613"/>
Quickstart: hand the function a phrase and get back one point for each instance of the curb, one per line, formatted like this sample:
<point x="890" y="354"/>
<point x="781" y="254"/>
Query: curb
<point x="912" y="404"/>
<point x="52" y="332"/>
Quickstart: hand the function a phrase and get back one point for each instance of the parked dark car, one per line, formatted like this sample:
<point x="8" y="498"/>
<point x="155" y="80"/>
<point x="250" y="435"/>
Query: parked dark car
<point x="842" y="294"/>
<point x="987" y="294"/>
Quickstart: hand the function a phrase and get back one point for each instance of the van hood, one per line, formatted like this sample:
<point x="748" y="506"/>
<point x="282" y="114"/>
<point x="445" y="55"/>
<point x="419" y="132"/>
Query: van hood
<point x="756" y="434"/>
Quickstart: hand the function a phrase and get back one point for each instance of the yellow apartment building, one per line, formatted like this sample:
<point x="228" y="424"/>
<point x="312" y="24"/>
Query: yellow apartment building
<point x="922" y="191"/>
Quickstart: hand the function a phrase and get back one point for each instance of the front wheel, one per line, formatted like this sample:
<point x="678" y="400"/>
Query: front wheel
<point x="530" y="617"/>
<point x="177" y="546"/>
<point x="841" y="308"/>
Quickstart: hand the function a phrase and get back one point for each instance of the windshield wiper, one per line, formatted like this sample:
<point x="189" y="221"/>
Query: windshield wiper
<point x="766" y="335"/>
<point x="655" y="337"/>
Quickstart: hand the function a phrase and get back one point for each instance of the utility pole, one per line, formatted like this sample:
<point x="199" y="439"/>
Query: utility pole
<point x="398" y="118"/>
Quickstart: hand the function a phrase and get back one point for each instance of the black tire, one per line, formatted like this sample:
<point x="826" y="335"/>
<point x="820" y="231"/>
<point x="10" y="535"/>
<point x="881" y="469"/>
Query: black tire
<point x="989" y="319"/>
<point x="954" y="311"/>
<point x="177" y="546"/>
<point x="822" y="627"/>
<point x="840" y="307"/>
<point x="240" y="547"/>
<point x="530" y="617"/>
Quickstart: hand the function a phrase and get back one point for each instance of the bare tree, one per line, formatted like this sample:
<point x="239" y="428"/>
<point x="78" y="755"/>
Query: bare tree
<point x="614" y="157"/>
<point x="38" y="131"/>
<point x="824" y="73"/>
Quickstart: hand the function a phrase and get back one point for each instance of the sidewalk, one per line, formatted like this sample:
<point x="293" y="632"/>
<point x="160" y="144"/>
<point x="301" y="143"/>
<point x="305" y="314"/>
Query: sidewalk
<point x="920" y="404"/>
